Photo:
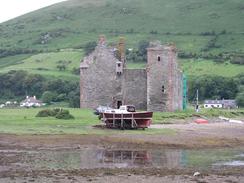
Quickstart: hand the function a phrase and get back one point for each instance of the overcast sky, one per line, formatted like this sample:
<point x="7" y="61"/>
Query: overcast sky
<point x="13" y="8"/>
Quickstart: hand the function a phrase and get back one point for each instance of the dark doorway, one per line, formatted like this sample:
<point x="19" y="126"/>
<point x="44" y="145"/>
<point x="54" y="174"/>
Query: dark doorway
<point x="159" y="58"/>
<point x="119" y="103"/>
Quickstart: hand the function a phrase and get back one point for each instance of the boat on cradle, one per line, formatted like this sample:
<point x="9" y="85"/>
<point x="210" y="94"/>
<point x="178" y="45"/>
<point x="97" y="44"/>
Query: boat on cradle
<point x="126" y="117"/>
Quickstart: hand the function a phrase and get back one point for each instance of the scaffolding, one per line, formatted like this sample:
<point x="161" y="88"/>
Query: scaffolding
<point x="184" y="92"/>
<point x="171" y="79"/>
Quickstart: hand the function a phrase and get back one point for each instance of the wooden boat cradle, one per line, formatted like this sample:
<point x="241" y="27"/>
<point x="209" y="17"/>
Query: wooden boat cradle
<point x="122" y="119"/>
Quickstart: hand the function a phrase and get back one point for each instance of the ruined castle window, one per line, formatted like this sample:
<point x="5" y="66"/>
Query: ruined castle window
<point x="119" y="68"/>
<point x="163" y="89"/>
<point x="159" y="58"/>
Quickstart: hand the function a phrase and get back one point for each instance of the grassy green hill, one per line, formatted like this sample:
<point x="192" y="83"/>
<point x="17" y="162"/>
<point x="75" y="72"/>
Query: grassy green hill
<point x="74" y="22"/>
<point x="46" y="64"/>
<point x="32" y="42"/>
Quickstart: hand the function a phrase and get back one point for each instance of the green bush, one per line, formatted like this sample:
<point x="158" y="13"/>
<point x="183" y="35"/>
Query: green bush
<point x="64" y="114"/>
<point x="46" y="113"/>
<point x="58" y="113"/>
<point x="89" y="47"/>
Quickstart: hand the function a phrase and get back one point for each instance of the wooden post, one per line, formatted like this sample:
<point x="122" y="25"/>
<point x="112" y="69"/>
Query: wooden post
<point x="113" y="120"/>
<point x="121" y="123"/>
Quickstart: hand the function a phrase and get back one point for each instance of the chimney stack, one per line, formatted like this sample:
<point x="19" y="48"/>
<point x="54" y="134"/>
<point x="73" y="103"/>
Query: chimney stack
<point x="102" y="40"/>
<point x="121" y="49"/>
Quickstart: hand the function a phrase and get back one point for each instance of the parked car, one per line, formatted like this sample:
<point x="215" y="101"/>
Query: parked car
<point x="100" y="109"/>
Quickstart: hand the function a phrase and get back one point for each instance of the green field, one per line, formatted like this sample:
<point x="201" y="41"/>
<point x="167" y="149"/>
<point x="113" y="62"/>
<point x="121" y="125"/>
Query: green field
<point x="46" y="64"/>
<point x="23" y="121"/>
<point x="198" y="67"/>
<point x="171" y="117"/>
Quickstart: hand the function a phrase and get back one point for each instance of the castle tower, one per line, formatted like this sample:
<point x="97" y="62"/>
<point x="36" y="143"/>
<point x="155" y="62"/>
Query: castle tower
<point x="163" y="78"/>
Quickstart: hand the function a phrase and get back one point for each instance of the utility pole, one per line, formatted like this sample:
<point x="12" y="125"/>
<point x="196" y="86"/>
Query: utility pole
<point x="197" y="105"/>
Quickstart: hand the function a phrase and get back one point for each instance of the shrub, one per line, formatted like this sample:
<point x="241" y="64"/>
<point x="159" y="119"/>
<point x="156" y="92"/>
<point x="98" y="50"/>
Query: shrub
<point x="57" y="110"/>
<point x="46" y="113"/>
<point x="64" y="114"/>
<point x="89" y="47"/>
<point x="76" y="71"/>
<point x="139" y="54"/>
<point x="153" y="32"/>
<point x="58" y="113"/>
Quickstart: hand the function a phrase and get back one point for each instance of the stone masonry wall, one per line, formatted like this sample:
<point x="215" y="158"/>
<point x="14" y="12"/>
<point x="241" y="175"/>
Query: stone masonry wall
<point x="99" y="82"/>
<point x="157" y="79"/>
<point x="135" y="88"/>
<point x="177" y="75"/>
<point x="164" y="83"/>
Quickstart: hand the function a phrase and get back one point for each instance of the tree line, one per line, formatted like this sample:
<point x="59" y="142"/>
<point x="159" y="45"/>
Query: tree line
<point x="16" y="85"/>
<point x="17" y="51"/>
<point x="217" y="87"/>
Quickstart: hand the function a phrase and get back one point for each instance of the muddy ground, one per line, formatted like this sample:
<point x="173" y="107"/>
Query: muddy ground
<point x="187" y="136"/>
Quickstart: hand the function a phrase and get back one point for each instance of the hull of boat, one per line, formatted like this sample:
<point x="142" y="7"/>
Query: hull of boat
<point x="128" y="120"/>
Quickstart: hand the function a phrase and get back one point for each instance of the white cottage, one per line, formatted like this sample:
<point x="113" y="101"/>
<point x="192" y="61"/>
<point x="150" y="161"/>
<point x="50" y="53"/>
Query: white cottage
<point x="31" y="102"/>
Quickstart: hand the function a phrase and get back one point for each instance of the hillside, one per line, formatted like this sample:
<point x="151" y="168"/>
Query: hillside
<point x="197" y="27"/>
<point x="72" y="23"/>
<point x="204" y="31"/>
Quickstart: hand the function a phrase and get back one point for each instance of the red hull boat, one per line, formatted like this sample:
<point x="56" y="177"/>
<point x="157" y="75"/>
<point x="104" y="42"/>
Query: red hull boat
<point x="126" y="119"/>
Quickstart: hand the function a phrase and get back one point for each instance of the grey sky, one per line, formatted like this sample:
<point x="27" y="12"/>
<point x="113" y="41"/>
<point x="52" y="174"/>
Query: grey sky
<point x="13" y="8"/>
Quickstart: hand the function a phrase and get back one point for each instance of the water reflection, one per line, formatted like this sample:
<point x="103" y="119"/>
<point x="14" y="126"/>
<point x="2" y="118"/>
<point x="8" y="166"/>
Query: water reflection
<point x="132" y="159"/>
<point x="230" y="163"/>
<point x="106" y="158"/>
<point x="100" y="158"/>
<point x="125" y="159"/>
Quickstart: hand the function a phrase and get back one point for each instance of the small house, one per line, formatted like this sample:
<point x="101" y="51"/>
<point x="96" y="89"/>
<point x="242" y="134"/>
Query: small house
<point x="229" y="104"/>
<point x="226" y="104"/>
<point x="31" y="102"/>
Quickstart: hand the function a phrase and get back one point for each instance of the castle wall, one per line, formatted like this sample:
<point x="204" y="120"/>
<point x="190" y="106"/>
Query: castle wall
<point x="180" y="90"/>
<point x="177" y="99"/>
<point x="99" y="82"/>
<point x="135" y="88"/>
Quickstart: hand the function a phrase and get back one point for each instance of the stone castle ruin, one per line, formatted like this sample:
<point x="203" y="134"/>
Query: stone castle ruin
<point x="105" y="79"/>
